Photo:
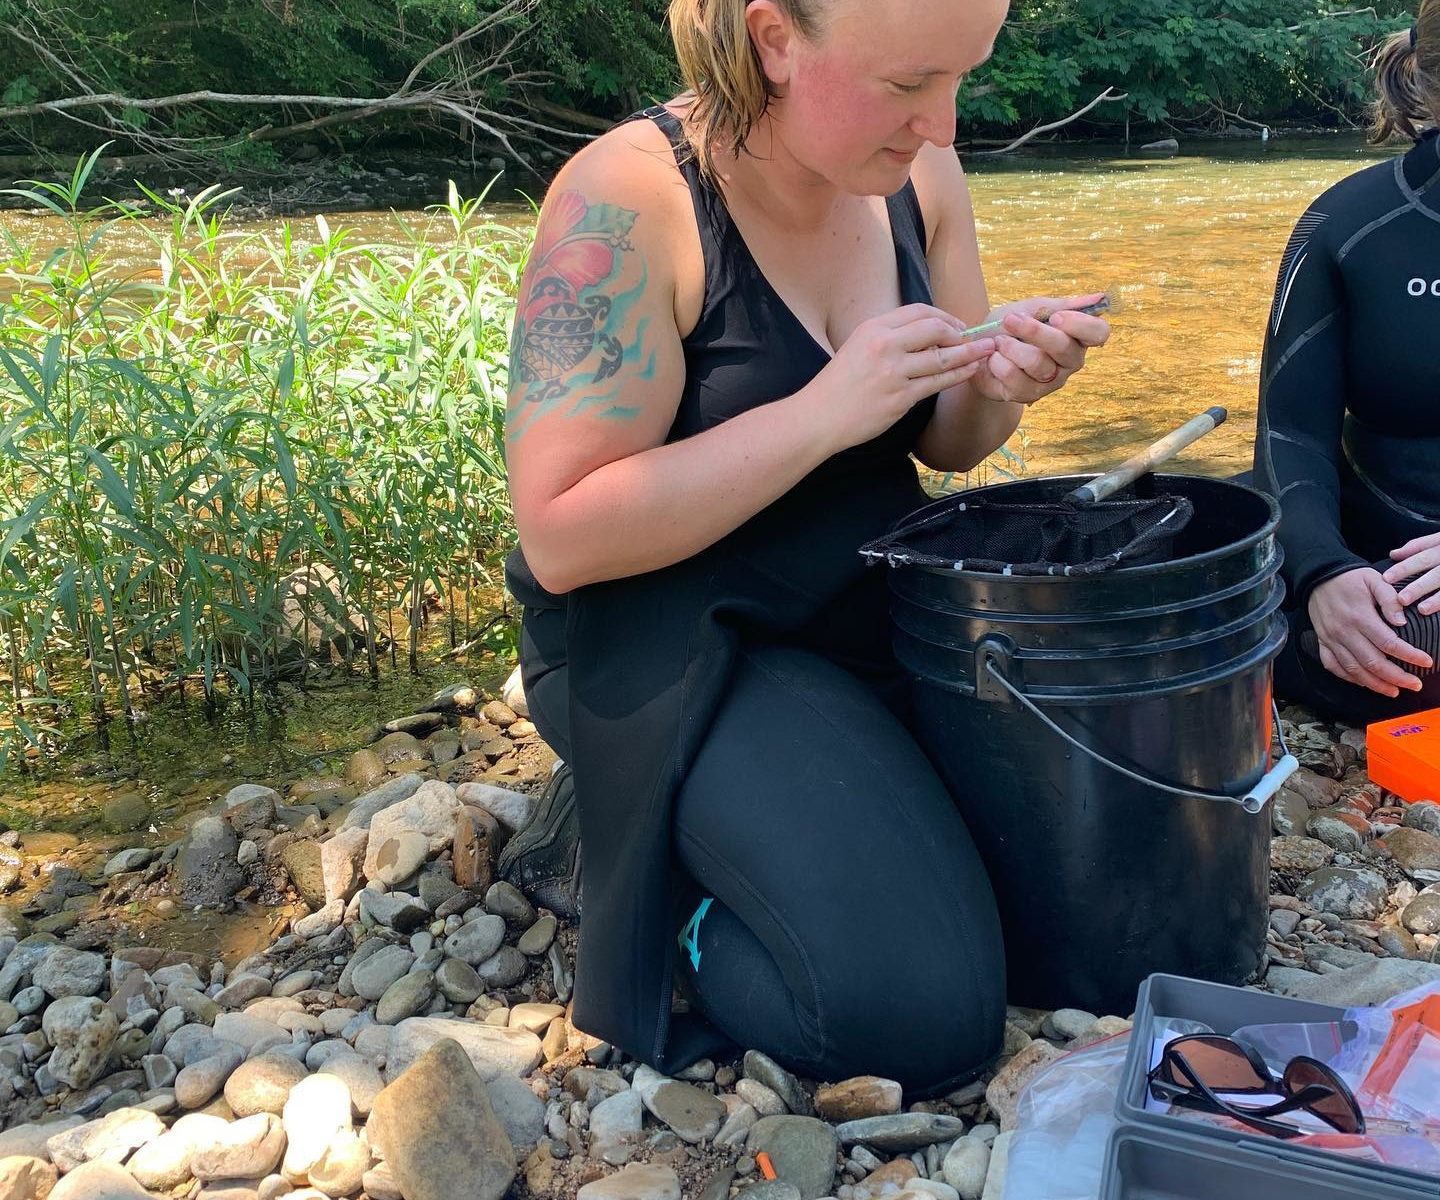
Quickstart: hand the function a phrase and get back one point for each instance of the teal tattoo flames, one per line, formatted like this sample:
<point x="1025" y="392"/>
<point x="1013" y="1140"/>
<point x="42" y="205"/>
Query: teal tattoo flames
<point x="565" y="337"/>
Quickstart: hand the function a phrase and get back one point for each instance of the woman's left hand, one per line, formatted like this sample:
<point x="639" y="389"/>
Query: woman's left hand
<point x="1418" y="560"/>
<point x="1034" y="357"/>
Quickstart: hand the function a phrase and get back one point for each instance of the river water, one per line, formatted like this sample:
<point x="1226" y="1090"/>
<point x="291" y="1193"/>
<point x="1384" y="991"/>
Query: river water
<point x="1189" y="246"/>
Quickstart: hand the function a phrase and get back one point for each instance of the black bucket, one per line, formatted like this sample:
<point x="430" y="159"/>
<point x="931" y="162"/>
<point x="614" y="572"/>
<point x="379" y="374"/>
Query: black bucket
<point x="1078" y="719"/>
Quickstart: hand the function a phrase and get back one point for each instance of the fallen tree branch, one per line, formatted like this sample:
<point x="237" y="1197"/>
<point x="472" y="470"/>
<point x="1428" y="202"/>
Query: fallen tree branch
<point x="571" y="116"/>
<point x="462" y="94"/>
<point x="1229" y="116"/>
<point x="1339" y="12"/>
<point x="1108" y="96"/>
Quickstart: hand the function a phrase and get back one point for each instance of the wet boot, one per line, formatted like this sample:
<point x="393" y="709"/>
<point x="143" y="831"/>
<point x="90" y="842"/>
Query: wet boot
<point x="543" y="859"/>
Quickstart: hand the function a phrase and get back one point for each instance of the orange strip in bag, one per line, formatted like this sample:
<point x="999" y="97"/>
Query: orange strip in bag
<point x="1403" y="755"/>
<point x="1411" y="1023"/>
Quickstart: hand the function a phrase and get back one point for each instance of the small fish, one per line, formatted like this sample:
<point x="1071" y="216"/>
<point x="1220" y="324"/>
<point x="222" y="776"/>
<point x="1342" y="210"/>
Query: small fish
<point x="1103" y="305"/>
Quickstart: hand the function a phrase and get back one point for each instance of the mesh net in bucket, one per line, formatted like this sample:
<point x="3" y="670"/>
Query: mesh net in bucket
<point x="1052" y="538"/>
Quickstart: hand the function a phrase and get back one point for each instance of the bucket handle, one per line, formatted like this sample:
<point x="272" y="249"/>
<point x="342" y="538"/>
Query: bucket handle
<point x="1252" y="801"/>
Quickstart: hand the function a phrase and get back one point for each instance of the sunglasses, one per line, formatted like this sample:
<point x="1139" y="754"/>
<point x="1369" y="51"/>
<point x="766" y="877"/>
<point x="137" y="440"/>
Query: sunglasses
<point x="1193" y="1069"/>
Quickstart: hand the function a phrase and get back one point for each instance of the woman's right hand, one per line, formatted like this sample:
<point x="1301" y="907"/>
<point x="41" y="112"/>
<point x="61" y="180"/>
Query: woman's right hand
<point x="1349" y="613"/>
<point x="888" y="365"/>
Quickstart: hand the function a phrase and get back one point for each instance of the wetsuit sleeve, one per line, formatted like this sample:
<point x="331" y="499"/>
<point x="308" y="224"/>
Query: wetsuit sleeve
<point x="1302" y="407"/>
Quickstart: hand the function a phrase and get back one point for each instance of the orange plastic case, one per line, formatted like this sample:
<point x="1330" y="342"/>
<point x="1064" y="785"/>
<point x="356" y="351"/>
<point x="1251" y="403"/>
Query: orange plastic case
<point x="1404" y="755"/>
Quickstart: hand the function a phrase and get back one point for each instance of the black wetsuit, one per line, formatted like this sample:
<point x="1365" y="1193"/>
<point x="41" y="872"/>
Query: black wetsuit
<point x="746" y="786"/>
<point x="1349" y="428"/>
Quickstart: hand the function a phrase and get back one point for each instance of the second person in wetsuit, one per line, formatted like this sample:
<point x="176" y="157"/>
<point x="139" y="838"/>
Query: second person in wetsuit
<point x="1349" y="429"/>
<point x="741" y="315"/>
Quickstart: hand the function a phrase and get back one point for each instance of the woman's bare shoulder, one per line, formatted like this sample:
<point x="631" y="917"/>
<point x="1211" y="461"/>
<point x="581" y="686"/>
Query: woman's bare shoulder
<point x="632" y="165"/>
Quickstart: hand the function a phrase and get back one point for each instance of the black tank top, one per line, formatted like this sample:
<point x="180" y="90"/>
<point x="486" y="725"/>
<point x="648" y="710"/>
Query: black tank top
<point x="748" y="347"/>
<point x="649" y="657"/>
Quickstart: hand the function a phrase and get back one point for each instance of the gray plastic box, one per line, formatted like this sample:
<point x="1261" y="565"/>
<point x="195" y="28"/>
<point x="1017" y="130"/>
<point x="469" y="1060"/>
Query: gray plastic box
<point x="1226" y="1009"/>
<point x="1145" y="1165"/>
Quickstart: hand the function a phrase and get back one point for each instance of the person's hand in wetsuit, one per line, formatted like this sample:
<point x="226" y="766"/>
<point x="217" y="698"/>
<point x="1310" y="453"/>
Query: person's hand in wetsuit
<point x="1417" y="561"/>
<point x="1349" y="612"/>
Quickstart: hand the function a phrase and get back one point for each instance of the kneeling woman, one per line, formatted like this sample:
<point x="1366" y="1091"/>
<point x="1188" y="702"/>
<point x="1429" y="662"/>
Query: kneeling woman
<point x="741" y="316"/>
<point x="1349" y="433"/>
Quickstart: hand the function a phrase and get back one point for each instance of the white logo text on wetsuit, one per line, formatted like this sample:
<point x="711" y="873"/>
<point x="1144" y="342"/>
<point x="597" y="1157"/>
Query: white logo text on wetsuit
<point x="1423" y="287"/>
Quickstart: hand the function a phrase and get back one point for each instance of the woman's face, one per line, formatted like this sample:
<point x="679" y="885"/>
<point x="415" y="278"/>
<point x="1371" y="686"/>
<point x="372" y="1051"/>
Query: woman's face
<point x="878" y="81"/>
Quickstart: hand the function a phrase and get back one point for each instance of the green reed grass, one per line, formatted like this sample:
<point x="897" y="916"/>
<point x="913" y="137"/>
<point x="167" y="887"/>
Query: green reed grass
<point x="175" y="441"/>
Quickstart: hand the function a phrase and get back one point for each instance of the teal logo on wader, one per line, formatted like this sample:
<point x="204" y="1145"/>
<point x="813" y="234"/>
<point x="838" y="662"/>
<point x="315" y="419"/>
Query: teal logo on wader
<point x="690" y="935"/>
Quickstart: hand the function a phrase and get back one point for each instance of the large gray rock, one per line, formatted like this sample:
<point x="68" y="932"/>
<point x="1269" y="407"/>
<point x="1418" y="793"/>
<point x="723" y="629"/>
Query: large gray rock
<point x="476" y="940"/>
<point x="767" y="1071"/>
<point x="248" y="1149"/>
<point x="638" y="1181"/>
<point x="492" y="1050"/>
<point x="394" y="910"/>
<point x="965" y="1167"/>
<point x="616" y="1122"/>
<point x="83" y="1032"/>
<point x="430" y="812"/>
<point x="22" y="960"/>
<point x="693" y="1115"/>
<point x="250" y="806"/>
<point x="99" y="1181"/>
<point x="802" y="1150"/>
<point x="458" y="981"/>
<point x="1356" y="892"/>
<point x="197" y="1084"/>
<point x="361" y="1078"/>
<point x="129" y="860"/>
<point x="392" y="791"/>
<point x="26" y="1178"/>
<point x="314" y="617"/>
<point x="375" y="974"/>
<point x="1370" y="983"/>
<point x="341" y="861"/>
<point x="205" y="870"/>
<point x="303" y="864"/>
<point x="405" y="997"/>
<point x="67" y="972"/>
<point x="165" y="1163"/>
<point x="127" y="811"/>
<point x="902" y="1132"/>
<point x="437" y="1132"/>
<point x="518" y="1108"/>
<point x="29" y="1141"/>
<point x="512" y="809"/>
<point x="401" y="856"/>
<point x="263" y="1084"/>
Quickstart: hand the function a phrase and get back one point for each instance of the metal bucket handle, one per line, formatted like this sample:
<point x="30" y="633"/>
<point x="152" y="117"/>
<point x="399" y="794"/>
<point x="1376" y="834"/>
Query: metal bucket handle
<point x="992" y="656"/>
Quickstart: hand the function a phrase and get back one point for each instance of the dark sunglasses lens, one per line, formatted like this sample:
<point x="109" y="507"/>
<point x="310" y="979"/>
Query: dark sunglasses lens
<point x="1219" y="1064"/>
<point x="1338" y="1108"/>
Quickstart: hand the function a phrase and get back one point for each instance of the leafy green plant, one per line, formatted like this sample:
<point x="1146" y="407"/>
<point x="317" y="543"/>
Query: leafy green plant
<point x="176" y="442"/>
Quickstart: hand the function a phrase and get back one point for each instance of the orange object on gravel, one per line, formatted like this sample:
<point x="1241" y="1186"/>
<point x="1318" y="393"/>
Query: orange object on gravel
<point x="1403" y="755"/>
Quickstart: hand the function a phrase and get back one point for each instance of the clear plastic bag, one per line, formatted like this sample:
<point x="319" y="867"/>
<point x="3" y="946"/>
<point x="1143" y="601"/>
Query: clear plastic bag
<point x="1393" y="1065"/>
<point x="1064" y="1120"/>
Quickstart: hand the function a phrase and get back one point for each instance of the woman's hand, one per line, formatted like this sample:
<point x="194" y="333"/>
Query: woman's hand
<point x="888" y="365"/>
<point x="1355" y="642"/>
<point x="1034" y="357"/>
<point x="1418" y="560"/>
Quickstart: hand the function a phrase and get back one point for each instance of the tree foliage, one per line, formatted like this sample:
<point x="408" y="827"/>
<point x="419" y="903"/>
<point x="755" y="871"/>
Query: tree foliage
<point x="1179" y="60"/>
<point x="1266" y="60"/>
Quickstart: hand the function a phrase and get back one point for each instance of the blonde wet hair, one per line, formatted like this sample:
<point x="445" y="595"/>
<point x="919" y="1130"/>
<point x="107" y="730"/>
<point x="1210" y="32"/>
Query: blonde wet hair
<point x="1407" y="78"/>
<point x="727" y="89"/>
